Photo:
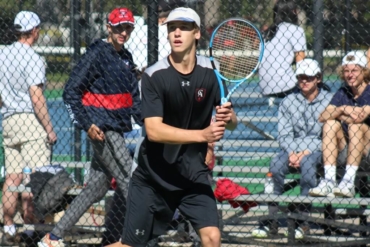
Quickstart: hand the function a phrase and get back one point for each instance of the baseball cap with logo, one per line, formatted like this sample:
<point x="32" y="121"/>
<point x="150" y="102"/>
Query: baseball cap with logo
<point x="355" y="57"/>
<point x="183" y="14"/>
<point x="25" y="21"/>
<point x="308" y="67"/>
<point x="121" y="15"/>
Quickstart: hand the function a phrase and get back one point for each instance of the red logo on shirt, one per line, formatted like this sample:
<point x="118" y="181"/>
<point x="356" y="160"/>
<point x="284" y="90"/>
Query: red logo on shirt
<point x="200" y="94"/>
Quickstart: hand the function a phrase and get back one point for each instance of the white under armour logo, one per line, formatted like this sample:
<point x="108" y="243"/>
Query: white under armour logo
<point x="138" y="232"/>
<point x="185" y="83"/>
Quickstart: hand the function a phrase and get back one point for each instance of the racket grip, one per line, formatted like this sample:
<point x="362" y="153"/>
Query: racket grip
<point x="223" y="101"/>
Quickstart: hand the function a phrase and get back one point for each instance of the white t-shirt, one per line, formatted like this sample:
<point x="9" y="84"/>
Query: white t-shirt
<point x="276" y="73"/>
<point x="20" y="68"/>
<point x="138" y="45"/>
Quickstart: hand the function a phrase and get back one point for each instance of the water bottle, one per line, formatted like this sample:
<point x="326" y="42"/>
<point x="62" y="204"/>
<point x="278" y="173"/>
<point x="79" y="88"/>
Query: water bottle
<point x="26" y="175"/>
<point x="269" y="184"/>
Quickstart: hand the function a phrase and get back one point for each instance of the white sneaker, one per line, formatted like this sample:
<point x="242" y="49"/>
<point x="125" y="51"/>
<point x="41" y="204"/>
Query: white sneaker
<point x="299" y="233"/>
<point x="325" y="188"/>
<point x="345" y="189"/>
<point x="261" y="232"/>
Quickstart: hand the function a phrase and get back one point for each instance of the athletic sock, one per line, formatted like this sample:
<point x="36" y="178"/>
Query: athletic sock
<point x="10" y="229"/>
<point x="53" y="237"/>
<point x="330" y="172"/>
<point x="350" y="174"/>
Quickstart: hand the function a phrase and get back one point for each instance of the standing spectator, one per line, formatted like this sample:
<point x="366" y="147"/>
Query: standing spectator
<point x="285" y="43"/>
<point x="346" y="132"/>
<point x="101" y="95"/>
<point x="171" y="172"/>
<point x="27" y="128"/>
<point x="299" y="139"/>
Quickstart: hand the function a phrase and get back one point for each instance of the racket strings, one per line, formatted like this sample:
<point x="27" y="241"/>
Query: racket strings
<point x="236" y="47"/>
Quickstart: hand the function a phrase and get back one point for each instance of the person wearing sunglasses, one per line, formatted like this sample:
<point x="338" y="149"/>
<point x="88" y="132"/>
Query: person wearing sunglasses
<point x="101" y="96"/>
<point x="300" y="141"/>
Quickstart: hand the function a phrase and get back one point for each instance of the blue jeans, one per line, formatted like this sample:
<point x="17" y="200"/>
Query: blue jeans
<point x="279" y="167"/>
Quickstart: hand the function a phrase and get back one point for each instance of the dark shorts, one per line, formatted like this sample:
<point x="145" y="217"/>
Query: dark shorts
<point x="149" y="210"/>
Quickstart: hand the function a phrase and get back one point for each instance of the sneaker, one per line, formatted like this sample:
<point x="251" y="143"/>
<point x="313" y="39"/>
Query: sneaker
<point x="261" y="232"/>
<point x="47" y="242"/>
<point x="345" y="189"/>
<point x="299" y="233"/>
<point x="325" y="188"/>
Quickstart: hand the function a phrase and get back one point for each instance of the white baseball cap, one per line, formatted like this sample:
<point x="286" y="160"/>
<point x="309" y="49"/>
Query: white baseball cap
<point x="308" y="67"/>
<point x="26" y="21"/>
<point x="183" y="14"/>
<point x="355" y="57"/>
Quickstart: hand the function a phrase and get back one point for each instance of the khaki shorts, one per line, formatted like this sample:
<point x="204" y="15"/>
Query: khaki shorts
<point x="24" y="141"/>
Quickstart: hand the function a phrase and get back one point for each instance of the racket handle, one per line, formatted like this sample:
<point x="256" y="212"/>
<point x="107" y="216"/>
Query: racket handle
<point x="223" y="101"/>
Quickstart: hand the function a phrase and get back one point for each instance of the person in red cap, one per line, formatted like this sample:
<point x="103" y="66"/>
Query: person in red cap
<point x="101" y="96"/>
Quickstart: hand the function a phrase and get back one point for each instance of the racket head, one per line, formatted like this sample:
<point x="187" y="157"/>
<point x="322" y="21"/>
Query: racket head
<point x="238" y="47"/>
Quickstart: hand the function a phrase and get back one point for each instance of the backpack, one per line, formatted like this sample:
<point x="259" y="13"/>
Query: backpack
<point x="50" y="192"/>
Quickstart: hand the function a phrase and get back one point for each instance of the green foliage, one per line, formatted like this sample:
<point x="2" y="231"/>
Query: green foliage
<point x="108" y="5"/>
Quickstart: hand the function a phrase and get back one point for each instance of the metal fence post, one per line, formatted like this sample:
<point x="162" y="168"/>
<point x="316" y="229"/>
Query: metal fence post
<point x="76" y="43"/>
<point x="318" y="27"/>
<point x="152" y="32"/>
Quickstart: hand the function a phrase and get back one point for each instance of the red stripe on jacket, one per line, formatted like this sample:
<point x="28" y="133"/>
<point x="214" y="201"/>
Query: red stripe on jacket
<point x="107" y="101"/>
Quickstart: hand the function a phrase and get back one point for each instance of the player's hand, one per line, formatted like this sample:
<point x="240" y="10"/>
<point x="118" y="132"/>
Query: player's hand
<point x="214" y="132"/>
<point x="95" y="133"/>
<point x="224" y="113"/>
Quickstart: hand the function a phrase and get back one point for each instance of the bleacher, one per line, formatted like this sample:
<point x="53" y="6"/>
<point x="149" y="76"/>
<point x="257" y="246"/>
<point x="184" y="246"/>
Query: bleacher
<point x="334" y="221"/>
<point x="244" y="156"/>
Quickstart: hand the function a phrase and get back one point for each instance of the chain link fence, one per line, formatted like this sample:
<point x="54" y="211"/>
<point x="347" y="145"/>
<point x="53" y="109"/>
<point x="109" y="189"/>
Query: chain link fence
<point x="280" y="130"/>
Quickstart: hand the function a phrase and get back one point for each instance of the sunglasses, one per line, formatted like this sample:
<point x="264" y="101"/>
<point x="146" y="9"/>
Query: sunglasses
<point x="128" y="28"/>
<point x="306" y="78"/>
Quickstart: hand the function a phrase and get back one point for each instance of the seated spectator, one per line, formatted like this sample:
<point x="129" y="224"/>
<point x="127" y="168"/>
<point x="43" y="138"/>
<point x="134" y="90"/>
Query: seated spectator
<point x="299" y="139"/>
<point x="346" y="132"/>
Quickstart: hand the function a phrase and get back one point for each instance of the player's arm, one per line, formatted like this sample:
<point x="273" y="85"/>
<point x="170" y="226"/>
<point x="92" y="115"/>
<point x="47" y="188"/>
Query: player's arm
<point x="157" y="131"/>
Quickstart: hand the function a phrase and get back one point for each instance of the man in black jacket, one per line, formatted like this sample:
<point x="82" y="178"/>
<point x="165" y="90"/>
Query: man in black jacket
<point x="101" y="96"/>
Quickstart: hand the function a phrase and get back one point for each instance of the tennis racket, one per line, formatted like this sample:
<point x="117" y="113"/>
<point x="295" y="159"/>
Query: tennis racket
<point x="237" y="46"/>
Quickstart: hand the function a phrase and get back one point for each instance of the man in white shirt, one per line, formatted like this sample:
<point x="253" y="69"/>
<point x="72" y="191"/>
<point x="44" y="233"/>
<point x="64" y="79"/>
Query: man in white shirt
<point x="27" y="129"/>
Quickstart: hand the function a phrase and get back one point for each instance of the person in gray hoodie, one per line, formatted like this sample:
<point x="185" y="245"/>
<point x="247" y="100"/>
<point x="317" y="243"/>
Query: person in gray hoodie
<point x="299" y="139"/>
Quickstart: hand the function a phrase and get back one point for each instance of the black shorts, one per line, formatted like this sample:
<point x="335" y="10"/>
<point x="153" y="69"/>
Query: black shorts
<point x="149" y="210"/>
